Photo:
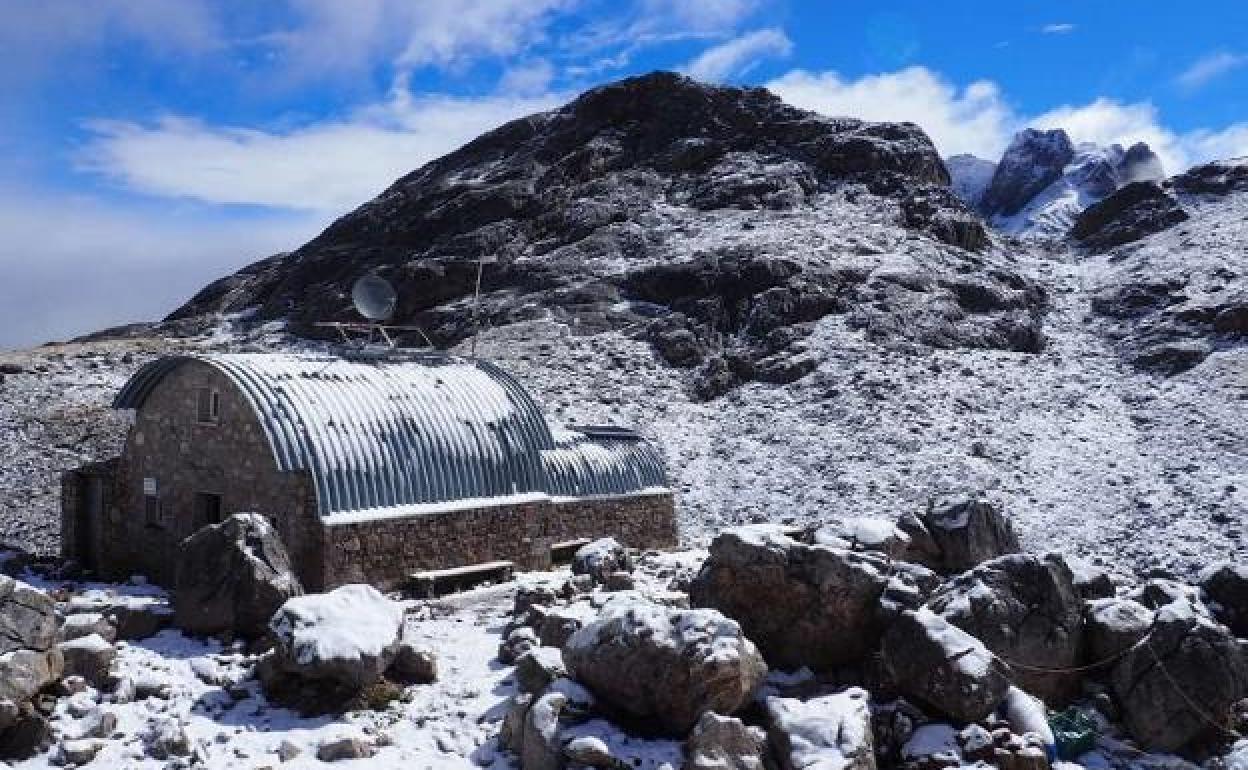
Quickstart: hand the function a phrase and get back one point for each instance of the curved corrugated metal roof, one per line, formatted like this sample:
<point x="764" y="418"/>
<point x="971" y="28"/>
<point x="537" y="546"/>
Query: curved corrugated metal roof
<point x="386" y="433"/>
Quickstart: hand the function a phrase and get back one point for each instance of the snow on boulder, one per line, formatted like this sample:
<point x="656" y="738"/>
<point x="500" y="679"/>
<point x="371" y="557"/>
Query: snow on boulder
<point x="601" y="558"/>
<point x="1111" y="626"/>
<point x="832" y="732"/>
<point x="804" y="605"/>
<point x="956" y="534"/>
<point x="1225" y="588"/>
<point x="348" y="636"/>
<point x="725" y="743"/>
<point x="1024" y="608"/>
<point x="664" y="665"/>
<point x="864" y="534"/>
<point x="88" y="657"/>
<point x="942" y="666"/>
<point x="1180" y="682"/>
<point x="232" y="576"/>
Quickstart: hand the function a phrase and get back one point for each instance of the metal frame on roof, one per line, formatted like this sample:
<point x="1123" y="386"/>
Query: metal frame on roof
<point x="384" y="433"/>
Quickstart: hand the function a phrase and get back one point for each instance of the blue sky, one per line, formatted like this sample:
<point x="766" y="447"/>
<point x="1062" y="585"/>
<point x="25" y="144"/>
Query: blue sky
<point x="152" y="145"/>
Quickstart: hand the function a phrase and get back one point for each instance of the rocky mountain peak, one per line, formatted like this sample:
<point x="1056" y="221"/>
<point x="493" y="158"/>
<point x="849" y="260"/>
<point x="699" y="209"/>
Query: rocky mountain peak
<point x="1033" y="161"/>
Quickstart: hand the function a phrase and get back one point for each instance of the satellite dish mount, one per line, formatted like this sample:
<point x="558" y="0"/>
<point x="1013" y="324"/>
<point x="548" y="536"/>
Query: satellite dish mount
<point x="375" y="299"/>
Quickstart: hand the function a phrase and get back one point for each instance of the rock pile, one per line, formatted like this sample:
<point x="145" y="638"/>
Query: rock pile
<point x="30" y="662"/>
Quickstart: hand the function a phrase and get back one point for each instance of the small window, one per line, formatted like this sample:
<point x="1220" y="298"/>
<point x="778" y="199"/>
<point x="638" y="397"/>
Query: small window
<point x="207" y="406"/>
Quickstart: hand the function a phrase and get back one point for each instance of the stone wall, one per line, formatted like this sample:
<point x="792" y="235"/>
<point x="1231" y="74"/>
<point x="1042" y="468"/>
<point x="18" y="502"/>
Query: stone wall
<point x="230" y="458"/>
<point x="385" y="552"/>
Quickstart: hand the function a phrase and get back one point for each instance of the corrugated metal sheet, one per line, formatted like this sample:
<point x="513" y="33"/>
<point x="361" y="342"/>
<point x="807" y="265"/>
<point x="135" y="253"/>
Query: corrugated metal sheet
<point x="383" y="433"/>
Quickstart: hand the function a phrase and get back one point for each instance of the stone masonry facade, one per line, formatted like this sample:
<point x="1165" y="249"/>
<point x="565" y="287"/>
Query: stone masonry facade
<point x="129" y="515"/>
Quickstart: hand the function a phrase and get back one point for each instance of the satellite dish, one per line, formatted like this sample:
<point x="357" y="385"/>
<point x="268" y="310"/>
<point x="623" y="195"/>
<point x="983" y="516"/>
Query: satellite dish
<point x="374" y="297"/>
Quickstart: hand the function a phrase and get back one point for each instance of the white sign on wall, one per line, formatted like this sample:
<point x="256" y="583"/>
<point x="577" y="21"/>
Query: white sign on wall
<point x="149" y="486"/>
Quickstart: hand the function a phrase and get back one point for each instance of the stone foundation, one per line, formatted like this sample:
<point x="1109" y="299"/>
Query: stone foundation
<point x="384" y="552"/>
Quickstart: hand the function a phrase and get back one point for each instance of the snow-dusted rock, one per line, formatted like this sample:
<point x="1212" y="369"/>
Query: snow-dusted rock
<point x="165" y="739"/>
<point x="78" y="751"/>
<point x="511" y="732"/>
<point x="1111" y="626"/>
<point x="1091" y="581"/>
<point x="23" y="673"/>
<point x="1033" y="161"/>
<point x="348" y="636"/>
<point x="541" y="749"/>
<point x="863" y="534"/>
<point x="86" y="623"/>
<point x="28" y="618"/>
<point x="804" y="605"/>
<point x="725" y="743"/>
<point x="88" y="657"/>
<point x="538" y="667"/>
<point x="558" y="625"/>
<point x="415" y="662"/>
<point x="347" y="747"/>
<point x="832" y="732"/>
<point x="956" y="534"/>
<point x="600" y="558"/>
<point x="1023" y="608"/>
<point x="1186" y="674"/>
<point x="1136" y="210"/>
<point x="1225" y="588"/>
<point x="232" y="576"/>
<point x="589" y="751"/>
<point x="517" y="642"/>
<point x="934" y="744"/>
<point x="942" y="666"/>
<point x="1027" y="716"/>
<point x="667" y="666"/>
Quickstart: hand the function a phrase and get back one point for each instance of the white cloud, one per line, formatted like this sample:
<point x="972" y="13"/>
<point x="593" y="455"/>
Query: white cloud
<point x="1210" y="67"/>
<point x="331" y="166"/>
<point x="972" y="119"/>
<point x="738" y="56"/>
<point x="1061" y="28"/>
<point x="532" y="77"/>
<point x="101" y="265"/>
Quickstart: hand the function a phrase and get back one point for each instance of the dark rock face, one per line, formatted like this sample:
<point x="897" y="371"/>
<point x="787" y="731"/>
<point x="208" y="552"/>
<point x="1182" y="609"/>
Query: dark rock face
<point x="957" y="534"/>
<point x="28" y="617"/>
<point x="232" y="576"/>
<point x="1225" y="588"/>
<point x="1025" y="610"/>
<point x="1136" y="210"/>
<point x="1033" y="161"/>
<point x="1217" y="178"/>
<point x="1185" y="675"/>
<point x="586" y="215"/>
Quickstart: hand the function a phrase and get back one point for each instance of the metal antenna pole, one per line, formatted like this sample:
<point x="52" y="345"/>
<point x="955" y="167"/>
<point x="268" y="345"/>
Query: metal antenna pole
<point x="476" y="307"/>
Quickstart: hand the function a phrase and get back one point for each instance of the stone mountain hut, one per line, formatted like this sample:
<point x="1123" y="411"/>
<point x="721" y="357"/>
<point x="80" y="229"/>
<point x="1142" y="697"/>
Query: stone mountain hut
<point x="370" y="469"/>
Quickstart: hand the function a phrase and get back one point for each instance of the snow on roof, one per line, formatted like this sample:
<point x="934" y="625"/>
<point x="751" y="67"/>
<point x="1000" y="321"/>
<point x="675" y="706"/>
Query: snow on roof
<point x="409" y="433"/>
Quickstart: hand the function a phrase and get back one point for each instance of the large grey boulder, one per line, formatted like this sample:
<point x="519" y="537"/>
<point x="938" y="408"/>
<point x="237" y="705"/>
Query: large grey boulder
<point x="832" y="731"/>
<point x="956" y="534"/>
<point x="1025" y="609"/>
<point x="1181" y="681"/>
<point x="665" y="666"/>
<point x="232" y="577"/>
<point x="804" y="605"/>
<point x="1112" y="626"/>
<point x="1225" y="588"/>
<point x="940" y="665"/>
<point x="540" y="748"/>
<point x="28" y="618"/>
<point x="89" y="657"/>
<point x="23" y="673"/>
<point x="346" y="638"/>
<point x="724" y="743"/>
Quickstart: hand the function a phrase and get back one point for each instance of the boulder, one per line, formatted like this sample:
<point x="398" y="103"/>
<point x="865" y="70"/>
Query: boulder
<point x="665" y="666"/>
<point x="232" y="577"/>
<point x="589" y="751"/>
<point x="956" y="534"/>
<point x="89" y="657"/>
<point x="724" y="743"/>
<point x="347" y="637"/>
<point x="516" y="643"/>
<point x="601" y="558"/>
<point x="511" y="733"/>
<point x="348" y="747"/>
<point x="832" y="731"/>
<point x="538" y="667"/>
<point x="1181" y="681"/>
<point x="137" y="619"/>
<point x="804" y="605"/>
<point x="942" y="666"/>
<point x="1091" y="582"/>
<point x="166" y="739"/>
<point x="86" y="623"/>
<point x="1024" y="608"/>
<point x="1225" y="588"/>
<point x="23" y="673"/>
<point x="1112" y="626"/>
<point x="28" y="618"/>
<point x="864" y="534"/>
<point x="558" y="625"/>
<point x="415" y="662"/>
<point x="540" y="749"/>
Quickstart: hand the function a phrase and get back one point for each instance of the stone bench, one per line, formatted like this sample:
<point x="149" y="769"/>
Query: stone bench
<point x="439" y="582"/>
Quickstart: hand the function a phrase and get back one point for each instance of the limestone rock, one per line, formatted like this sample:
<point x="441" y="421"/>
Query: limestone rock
<point x="804" y="605"/>
<point x="832" y="731"/>
<point x="667" y="666"/>
<point x="942" y="666"/>
<point x="601" y="558"/>
<point x="1023" y="608"/>
<point x="538" y="667"/>
<point x="541" y="749"/>
<point x="349" y="747"/>
<point x="232" y="576"/>
<point x="1111" y="626"/>
<point x="725" y="743"/>
<point x="1225" y="588"/>
<point x="88" y="657"/>
<point x="28" y="618"/>
<point x="1188" y="672"/>
<point x="956" y="534"/>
